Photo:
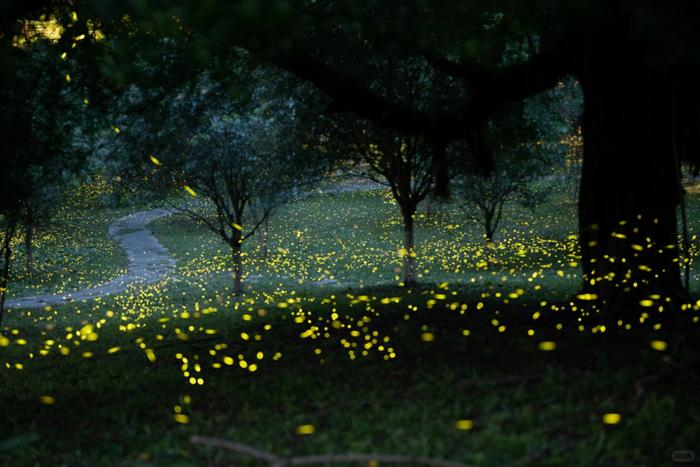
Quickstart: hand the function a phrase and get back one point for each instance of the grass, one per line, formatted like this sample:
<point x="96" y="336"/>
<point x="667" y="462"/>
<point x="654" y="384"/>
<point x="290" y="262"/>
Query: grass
<point x="371" y="366"/>
<point x="355" y="237"/>
<point x="74" y="252"/>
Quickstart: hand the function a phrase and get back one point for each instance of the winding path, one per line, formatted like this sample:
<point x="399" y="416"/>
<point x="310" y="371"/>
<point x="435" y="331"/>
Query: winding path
<point x="149" y="261"/>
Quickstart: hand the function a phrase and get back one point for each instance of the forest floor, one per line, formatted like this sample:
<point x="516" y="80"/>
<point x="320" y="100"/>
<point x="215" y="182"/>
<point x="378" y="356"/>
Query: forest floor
<point x="485" y="363"/>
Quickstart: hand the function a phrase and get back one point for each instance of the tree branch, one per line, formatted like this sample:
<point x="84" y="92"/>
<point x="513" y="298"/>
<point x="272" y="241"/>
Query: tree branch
<point x="276" y="461"/>
<point x="270" y="458"/>
<point x="515" y="82"/>
<point x="349" y="95"/>
<point x="491" y="90"/>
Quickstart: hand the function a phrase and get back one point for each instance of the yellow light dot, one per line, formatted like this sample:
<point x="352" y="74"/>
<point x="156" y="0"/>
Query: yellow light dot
<point x="305" y="429"/>
<point x="658" y="345"/>
<point x="427" y="336"/>
<point x="612" y="418"/>
<point x="47" y="400"/>
<point x="464" y="424"/>
<point x="547" y="345"/>
<point x="181" y="418"/>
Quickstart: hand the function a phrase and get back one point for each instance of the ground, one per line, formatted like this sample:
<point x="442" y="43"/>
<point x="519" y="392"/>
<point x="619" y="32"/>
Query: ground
<point x="485" y="363"/>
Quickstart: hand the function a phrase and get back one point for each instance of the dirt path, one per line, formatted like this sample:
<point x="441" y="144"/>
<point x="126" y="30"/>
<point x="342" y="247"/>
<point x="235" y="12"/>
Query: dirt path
<point x="149" y="261"/>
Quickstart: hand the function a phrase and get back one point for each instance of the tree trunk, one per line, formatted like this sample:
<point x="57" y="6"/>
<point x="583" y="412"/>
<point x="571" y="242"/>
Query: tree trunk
<point x="428" y="207"/>
<point x="489" y="228"/>
<point x="490" y="251"/>
<point x="237" y="269"/>
<point x="264" y="237"/>
<point x="409" y="259"/>
<point x="29" y="246"/>
<point x="489" y="239"/>
<point x="6" y="258"/>
<point x="629" y="189"/>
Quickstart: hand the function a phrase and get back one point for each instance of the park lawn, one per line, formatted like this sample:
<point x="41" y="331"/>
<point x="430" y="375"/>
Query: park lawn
<point x="373" y="367"/>
<point x="528" y="405"/>
<point x="355" y="238"/>
<point x="74" y="252"/>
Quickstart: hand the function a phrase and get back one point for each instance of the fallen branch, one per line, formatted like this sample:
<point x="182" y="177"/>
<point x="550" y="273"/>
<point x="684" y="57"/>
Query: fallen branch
<point x="272" y="459"/>
<point x="276" y="461"/>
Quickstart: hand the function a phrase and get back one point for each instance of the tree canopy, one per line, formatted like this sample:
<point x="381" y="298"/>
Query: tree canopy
<point x="631" y="59"/>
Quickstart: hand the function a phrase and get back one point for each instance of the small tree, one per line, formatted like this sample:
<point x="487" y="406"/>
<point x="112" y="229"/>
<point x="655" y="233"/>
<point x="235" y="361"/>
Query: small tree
<point x="513" y="178"/>
<point x="404" y="164"/>
<point x="519" y="164"/>
<point x="8" y="229"/>
<point x="557" y="115"/>
<point x="36" y="211"/>
<point x="245" y="162"/>
<point x="39" y="110"/>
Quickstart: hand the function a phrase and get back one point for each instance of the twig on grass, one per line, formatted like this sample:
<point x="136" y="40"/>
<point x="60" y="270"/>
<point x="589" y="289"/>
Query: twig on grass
<point x="270" y="458"/>
<point x="276" y="461"/>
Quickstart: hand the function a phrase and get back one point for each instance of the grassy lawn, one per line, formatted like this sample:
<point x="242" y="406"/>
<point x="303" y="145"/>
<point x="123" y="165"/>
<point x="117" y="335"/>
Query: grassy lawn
<point x="74" y="252"/>
<point x="355" y="237"/>
<point x="483" y="364"/>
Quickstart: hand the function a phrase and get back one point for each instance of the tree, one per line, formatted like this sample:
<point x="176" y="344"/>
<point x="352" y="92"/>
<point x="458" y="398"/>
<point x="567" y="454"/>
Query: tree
<point x="9" y="229"/>
<point x="512" y="178"/>
<point x="403" y="163"/>
<point x="36" y="210"/>
<point x="520" y="162"/>
<point x="637" y="63"/>
<point x="399" y="161"/>
<point x="245" y="160"/>
<point x="39" y="113"/>
<point x="557" y="115"/>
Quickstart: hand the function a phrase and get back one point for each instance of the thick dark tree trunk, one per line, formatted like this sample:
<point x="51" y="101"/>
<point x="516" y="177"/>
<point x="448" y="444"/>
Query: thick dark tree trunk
<point x="629" y="189"/>
<point x="29" y="246"/>
<point x="5" y="273"/>
<point x="237" y="269"/>
<point x="409" y="258"/>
